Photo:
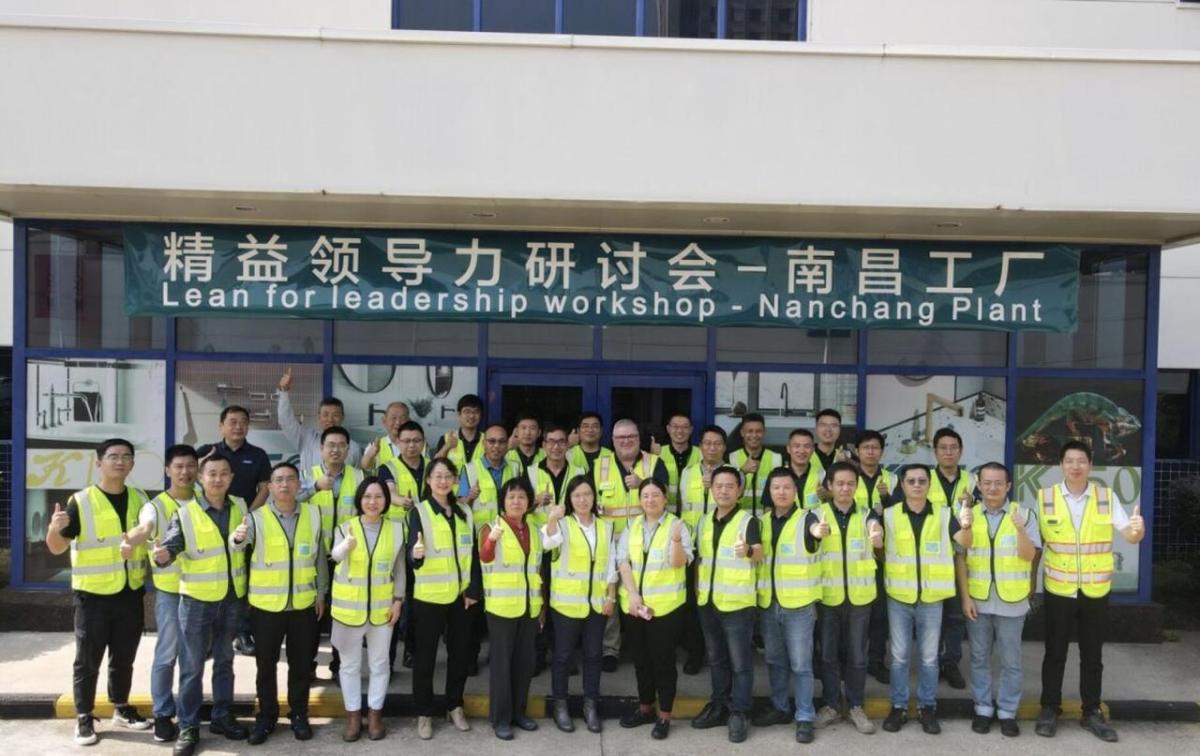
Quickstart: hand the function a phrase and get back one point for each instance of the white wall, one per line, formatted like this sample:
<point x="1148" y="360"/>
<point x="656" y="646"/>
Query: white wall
<point x="346" y="14"/>
<point x="6" y="283"/>
<point x="1179" y="308"/>
<point x="1111" y="24"/>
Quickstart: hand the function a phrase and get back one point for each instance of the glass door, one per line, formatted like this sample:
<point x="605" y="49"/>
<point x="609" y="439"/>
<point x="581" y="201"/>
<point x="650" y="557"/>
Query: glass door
<point x="650" y="400"/>
<point x="550" y="397"/>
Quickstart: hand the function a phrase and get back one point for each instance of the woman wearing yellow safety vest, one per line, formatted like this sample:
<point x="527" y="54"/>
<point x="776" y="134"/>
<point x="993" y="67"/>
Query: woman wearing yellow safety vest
<point x="583" y="593"/>
<point x="652" y="556"/>
<point x="510" y="556"/>
<point x="368" y="594"/>
<point x="441" y="550"/>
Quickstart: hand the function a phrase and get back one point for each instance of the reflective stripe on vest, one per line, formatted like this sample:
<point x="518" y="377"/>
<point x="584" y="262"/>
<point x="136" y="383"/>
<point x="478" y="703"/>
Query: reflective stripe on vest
<point x="364" y="582"/>
<point x="280" y="570"/>
<point x="166" y="579"/>
<point x="206" y="563"/>
<point x="579" y="573"/>
<point x="406" y="485"/>
<point x="446" y="571"/>
<point x="729" y="579"/>
<point x="963" y="484"/>
<point x="694" y="498"/>
<point x="483" y="509"/>
<point x="331" y="515"/>
<point x="865" y="498"/>
<point x="663" y="587"/>
<point x="512" y="581"/>
<point x="1077" y="561"/>
<point x="918" y="568"/>
<point x="541" y="482"/>
<point x="96" y="563"/>
<point x="850" y="571"/>
<point x="993" y="559"/>
<point x="618" y="504"/>
<point x="789" y="575"/>
<point x="674" y="474"/>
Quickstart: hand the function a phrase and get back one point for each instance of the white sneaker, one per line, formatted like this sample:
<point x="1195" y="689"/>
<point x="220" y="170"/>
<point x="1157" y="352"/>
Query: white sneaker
<point x="425" y="728"/>
<point x="458" y="718"/>
<point x="861" y="721"/>
<point x="85" y="730"/>
<point x="126" y="716"/>
<point x="826" y="716"/>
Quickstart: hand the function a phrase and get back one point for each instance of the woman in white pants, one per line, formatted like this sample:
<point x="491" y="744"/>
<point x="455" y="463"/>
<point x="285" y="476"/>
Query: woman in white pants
<point x="368" y="592"/>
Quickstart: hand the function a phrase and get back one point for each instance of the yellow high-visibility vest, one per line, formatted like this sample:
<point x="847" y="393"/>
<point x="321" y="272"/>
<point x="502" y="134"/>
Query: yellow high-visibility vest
<point x="446" y="572"/>
<point x="618" y="504"/>
<point x="512" y="581"/>
<point x="722" y="575"/>
<point x="364" y="582"/>
<point x="96" y="563"/>
<point x="579" y="573"/>
<point x="541" y="482"/>
<point x="206" y="564"/>
<point x="965" y="484"/>
<point x="994" y="559"/>
<point x="694" y="498"/>
<point x="868" y="499"/>
<point x="483" y="509"/>
<point x="918" y="567"/>
<point x="406" y="485"/>
<point x="754" y="498"/>
<point x="663" y="587"/>
<point x="280" y="570"/>
<point x="850" y="571"/>
<point x="674" y="473"/>
<point x="334" y="514"/>
<point x="166" y="579"/>
<point x="790" y="574"/>
<point x="1077" y="561"/>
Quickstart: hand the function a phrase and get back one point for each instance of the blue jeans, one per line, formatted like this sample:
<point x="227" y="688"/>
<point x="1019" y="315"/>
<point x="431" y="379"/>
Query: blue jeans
<point x="844" y="634"/>
<point x="1003" y="633"/>
<point x="788" y="638"/>
<point x="954" y="629"/>
<point x="166" y="651"/>
<point x="206" y="627"/>
<point x="927" y="620"/>
<point x="727" y="640"/>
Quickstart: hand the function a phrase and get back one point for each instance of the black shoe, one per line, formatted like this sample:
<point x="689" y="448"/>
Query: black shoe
<point x="591" y="715"/>
<point x="953" y="677"/>
<point x="85" y="730"/>
<point x="737" y="727"/>
<point x="525" y="723"/>
<point x="562" y="715"/>
<point x="712" y="715"/>
<point x="263" y="727"/>
<point x="407" y="661"/>
<point x="608" y="663"/>
<point x="637" y="717"/>
<point x="1009" y="728"/>
<point x="804" y="732"/>
<point x="1096" y="724"/>
<point x="880" y="672"/>
<point x="692" y="665"/>
<point x="185" y="744"/>
<point x="662" y="728"/>
<point x="769" y="716"/>
<point x="301" y="728"/>
<point x="244" y="644"/>
<point x="229" y="727"/>
<point x="164" y="730"/>
<point x="929" y="722"/>
<point x="1047" y="722"/>
<point x="895" y="719"/>
<point x="503" y="730"/>
<point x="981" y="724"/>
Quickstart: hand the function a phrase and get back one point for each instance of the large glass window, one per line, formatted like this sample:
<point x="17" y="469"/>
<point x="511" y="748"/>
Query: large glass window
<point x="761" y="19"/>
<point x="75" y="293"/>
<point x="785" y="400"/>
<point x="1112" y="318"/>
<point x="655" y="343"/>
<point x="431" y="393"/>
<point x="681" y="18"/>
<point x="931" y="347"/>
<point x="443" y="15"/>
<point x="406" y="338"/>
<point x="1174" y="420"/>
<point x="268" y="335"/>
<point x="555" y="341"/>
<point x="615" y="17"/>
<point x="793" y="345"/>
<point x="518" y="16"/>
<point x="909" y="409"/>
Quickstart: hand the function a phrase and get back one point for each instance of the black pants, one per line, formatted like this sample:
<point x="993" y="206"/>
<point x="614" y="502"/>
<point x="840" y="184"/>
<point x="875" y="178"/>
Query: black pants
<point x="569" y="632"/>
<point x="111" y="624"/>
<point x="271" y="629"/>
<point x="878" y="629"/>
<point x="432" y="620"/>
<point x="652" y="645"/>
<point x="1089" y="618"/>
<point x="691" y="637"/>
<point x="510" y="666"/>
<point x="405" y="625"/>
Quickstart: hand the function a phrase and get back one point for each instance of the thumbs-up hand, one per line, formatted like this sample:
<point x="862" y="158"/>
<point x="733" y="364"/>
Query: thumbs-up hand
<point x="369" y="454"/>
<point x="557" y="512"/>
<point x="239" y="533"/>
<point x="707" y="477"/>
<point x="655" y="447"/>
<point x="60" y="519"/>
<point x="494" y="533"/>
<point x="512" y="440"/>
<point x="740" y="549"/>
<point x="573" y="438"/>
<point x="351" y="542"/>
<point x="677" y="531"/>
<point x="448" y="441"/>
<point x="1018" y="517"/>
<point x="1136" y="523"/>
<point x="881" y="486"/>
<point x="418" y="549"/>
<point x="545" y="498"/>
<point x="126" y="547"/>
<point x="160" y="554"/>
<point x="875" y="533"/>
<point x="750" y="466"/>
<point x="965" y="516"/>
<point x="285" y="381"/>
<point x="632" y="481"/>
<point x="820" y="528"/>
<point x="847" y="455"/>
<point x="325" y="483"/>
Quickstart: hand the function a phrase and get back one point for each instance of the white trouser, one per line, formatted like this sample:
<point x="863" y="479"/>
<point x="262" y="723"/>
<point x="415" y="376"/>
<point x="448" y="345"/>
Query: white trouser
<point x="348" y="641"/>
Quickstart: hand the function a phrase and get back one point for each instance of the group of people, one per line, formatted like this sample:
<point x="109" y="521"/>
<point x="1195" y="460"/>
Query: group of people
<point x="554" y="545"/>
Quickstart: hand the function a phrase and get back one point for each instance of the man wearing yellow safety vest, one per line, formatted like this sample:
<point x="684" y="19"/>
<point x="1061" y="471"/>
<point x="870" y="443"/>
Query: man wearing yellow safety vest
<point x="678" y="455"/>
<point x="996" y="549"/>
<point x="584" y="441"/>
<point x="919" y="575"/>
<point x="874" y="492"/>
<point x="288" y="578"/>
<point x="181" y="469"/>
<point x="617" y="479"/>
<point x="404" y="474"/>
<point x="1079" y="521"/>
<point x="212" y="584"/>
<point x="481" y="480"/>
<point x="728" y="548"/>
<point x="806" y="469"/>
<point x="385" y="448"/>
<point x="828" y="424"/>
<point x="462" y="446"/>
<point x="695" y="498"/>
<point x="107" y="584"/>
<point x="330" y="487"/>
<point x="524" y="450"/>
<point x="950" y="485"/>
<point x="754" y="461"/>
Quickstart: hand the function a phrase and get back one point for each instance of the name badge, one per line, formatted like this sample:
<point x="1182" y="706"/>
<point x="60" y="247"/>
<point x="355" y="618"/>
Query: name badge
<point x="304" y="549"/>
<point x="382" y="568"/>
<point x="1008" y="540"/>
<point x="787" y="549"/>
<point x="933" y="548"/>
<point x="656" y="555"/>
<point x="856" y="544"/>
<point x="464" y="539"/>
<point x="348" y="500"/>
<point x="726" y="551"/>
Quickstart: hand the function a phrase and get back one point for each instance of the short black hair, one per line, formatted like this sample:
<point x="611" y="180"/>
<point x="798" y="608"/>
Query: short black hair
<point x="678" y="413"/>
<point x="549" y="428"/>
<point x="362" y="489"/>
<point x="411" y="425"/>
<point x="652" y="483"/>
<point x="1077" y="445"/>
<point x="753" y="417"/>
<point x="335" y="430"/>
<point x="179" y="450"/>
<point x="332" y="401"/>
<point x="215" y="456"/>
<point x="283" y="465"/>
<point x="714" y="429"/>
<point x="523" y="416"/>
<point x="726" y="470"/>
<point x="578" y="482"/>
<point x="469" y="401"/>
<point x="870" y="435"/>
<point x="829" y="412"/>
<point x="108" y="443"/>
<point x="915" y="466"/>
<point x="947" y="433"/>
<point x="801" y="432"/>
<point x="837" y="467"/>
<point x="997" y="466"/>
<point x="234" y="408"/>
<point x="589" y="414"/>
<point x="519" y="483"/>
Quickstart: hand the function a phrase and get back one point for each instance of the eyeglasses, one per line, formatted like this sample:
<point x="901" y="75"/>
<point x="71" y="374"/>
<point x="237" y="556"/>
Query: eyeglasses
<point x="118" y="457"/>
<point x="338" y="446"/>
<point x="441" y="476"/>
<point x="916" y="482"/>
<point x="495" y="441"/>
<point x="284" y="479"/>
<point x="632" y="437"/>
<point x="556" y="442"/>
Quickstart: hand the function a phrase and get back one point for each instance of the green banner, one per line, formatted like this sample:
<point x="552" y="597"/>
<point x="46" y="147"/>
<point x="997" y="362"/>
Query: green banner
<point x="597" y="279"/>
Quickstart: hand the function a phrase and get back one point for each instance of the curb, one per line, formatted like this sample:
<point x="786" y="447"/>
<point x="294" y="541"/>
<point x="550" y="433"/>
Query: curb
<point x="328" y="703"/>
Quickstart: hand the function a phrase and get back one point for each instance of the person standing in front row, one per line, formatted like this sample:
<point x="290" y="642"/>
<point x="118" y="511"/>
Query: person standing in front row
<point x="583" y="593"/>
<point x="996" y="550"/>
<point x="441" y="549"/>
<point x="1079" y="522"/>
<point x="652" y="556"/>
<point x="368" y="595"/>
<point x="695" y="499"/>
<point x="107" y="585"/>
